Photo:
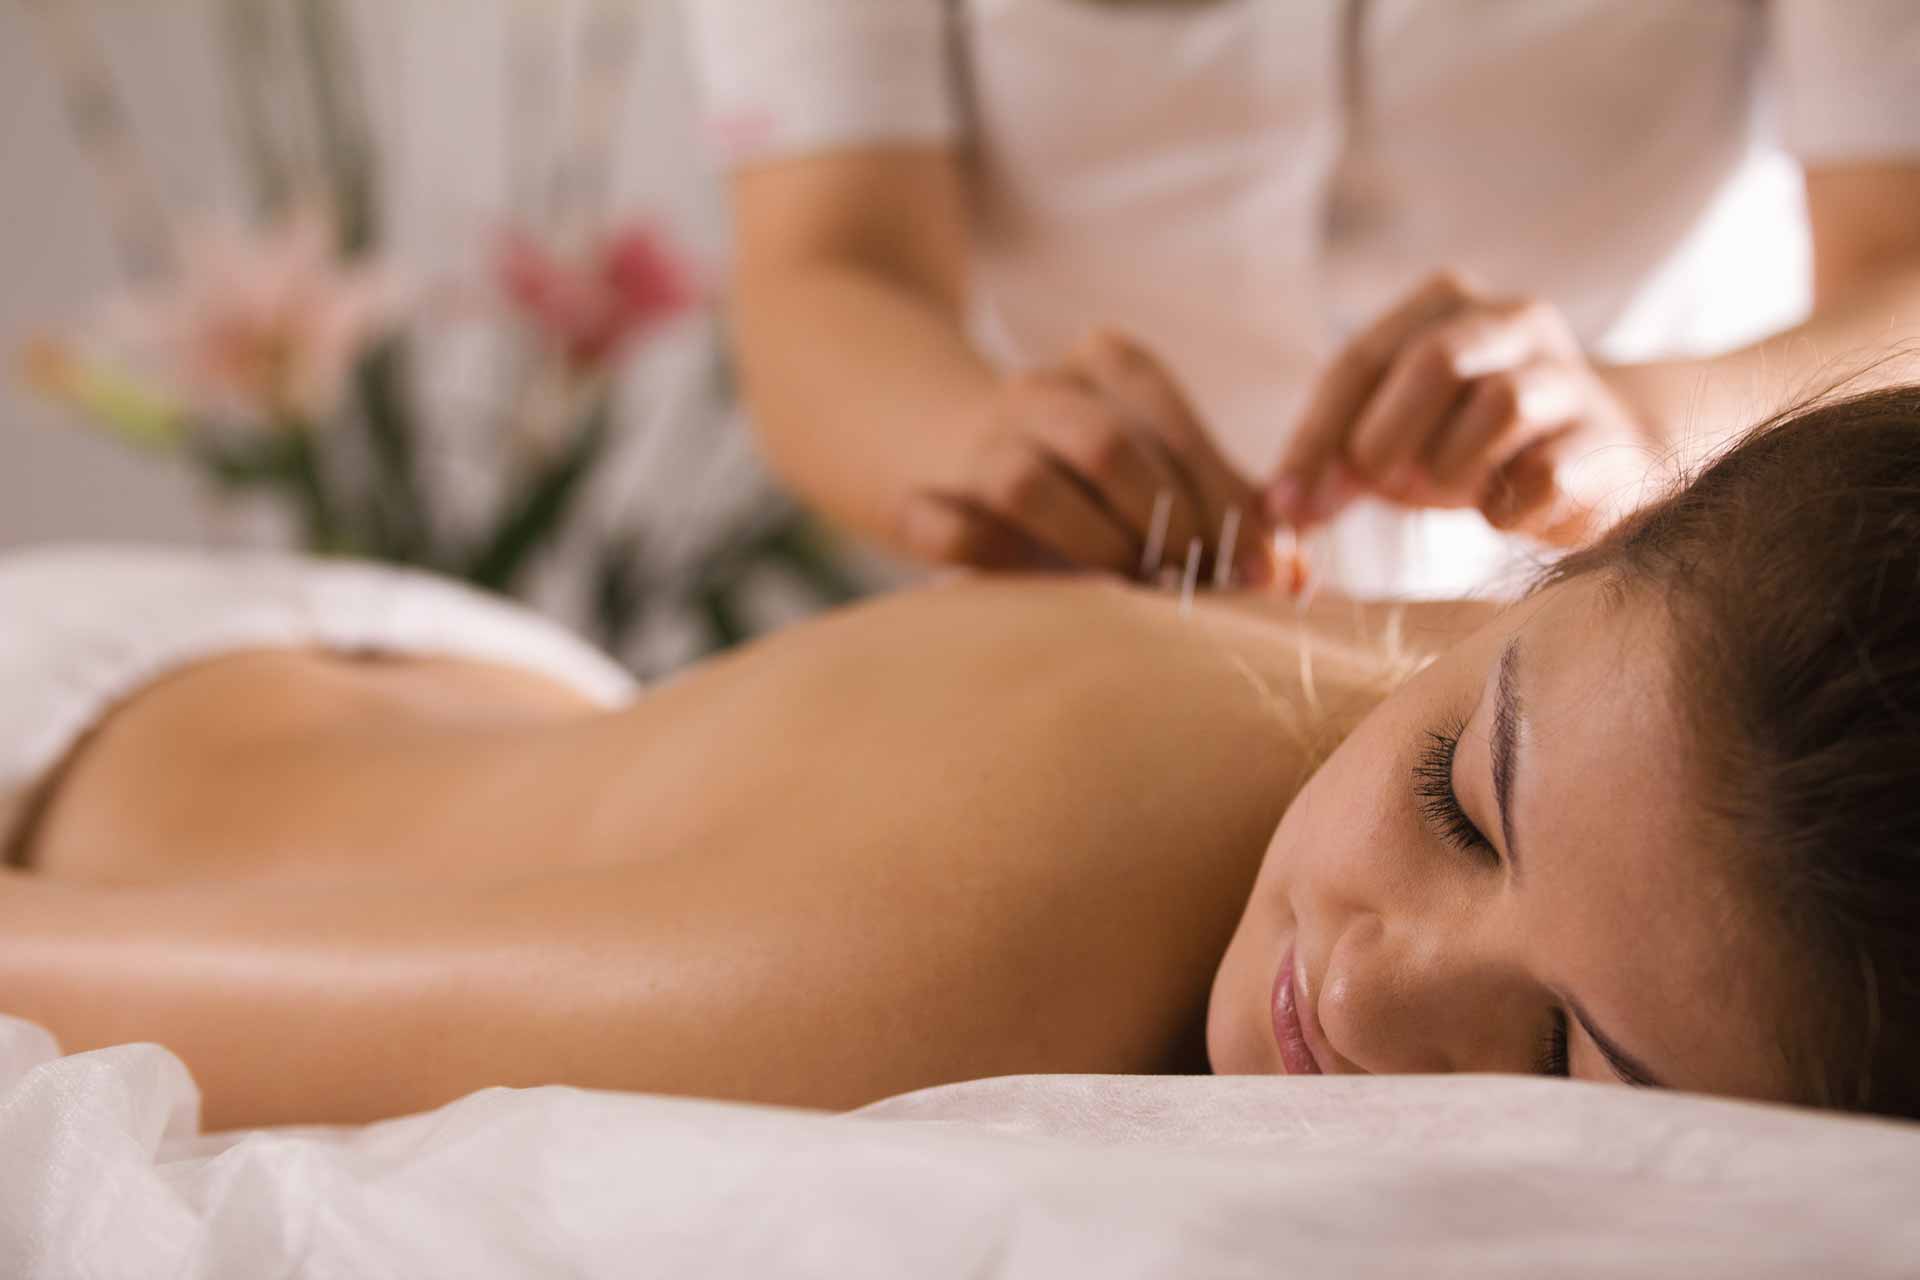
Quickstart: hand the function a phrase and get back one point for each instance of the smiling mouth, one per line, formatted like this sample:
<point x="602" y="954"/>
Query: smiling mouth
<point x="1288" y="1033"/>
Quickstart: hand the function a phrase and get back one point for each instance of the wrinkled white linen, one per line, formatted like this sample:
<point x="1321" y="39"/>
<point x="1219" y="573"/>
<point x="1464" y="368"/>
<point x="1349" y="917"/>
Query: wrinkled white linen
<point x="103" y="1175"/>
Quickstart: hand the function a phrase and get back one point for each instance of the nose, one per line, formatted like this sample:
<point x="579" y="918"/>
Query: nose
<point x="1423" y="995"/>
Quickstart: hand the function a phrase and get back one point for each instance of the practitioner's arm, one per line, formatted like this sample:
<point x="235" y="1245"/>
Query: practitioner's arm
<point x="848" y="291"/>
<point x="848" y="318"/>
<point x="1460" y="398"/>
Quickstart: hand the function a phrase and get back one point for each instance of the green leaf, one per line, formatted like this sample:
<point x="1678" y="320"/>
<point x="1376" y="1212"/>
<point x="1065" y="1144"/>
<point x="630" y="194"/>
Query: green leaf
<point x="805" y="549"/>
<point x="620" y="591"/>
<point x="540" y="511"/>
<point x="398" y="509"/>
<point x="725" y="627"/>
<point x="340" y="110"/>
<point x="285" y="462"/>
<point x="250" y="462"/>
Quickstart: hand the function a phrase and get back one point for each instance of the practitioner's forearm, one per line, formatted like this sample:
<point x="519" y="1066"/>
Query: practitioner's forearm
<point x="1696" y="407"/>
<point x="850" y="280"/>
<point x="1863" y="331"/>
<point x="858" y="384"/>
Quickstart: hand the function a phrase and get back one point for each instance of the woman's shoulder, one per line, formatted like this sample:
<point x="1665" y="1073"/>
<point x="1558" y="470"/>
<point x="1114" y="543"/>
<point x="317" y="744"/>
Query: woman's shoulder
<point x="1414" y="628"/>
<point x="1072" y="641"/>
<point x="1084" y="615"/>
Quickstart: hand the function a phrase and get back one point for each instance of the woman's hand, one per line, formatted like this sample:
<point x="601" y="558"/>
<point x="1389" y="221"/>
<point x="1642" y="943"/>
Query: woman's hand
<point x="1455" y="399"/>
<point x="1066" y="467"/>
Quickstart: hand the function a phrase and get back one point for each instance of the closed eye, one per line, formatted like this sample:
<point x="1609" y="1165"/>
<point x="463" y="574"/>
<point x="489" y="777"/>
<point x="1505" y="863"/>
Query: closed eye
<point x="1439" y="803"/>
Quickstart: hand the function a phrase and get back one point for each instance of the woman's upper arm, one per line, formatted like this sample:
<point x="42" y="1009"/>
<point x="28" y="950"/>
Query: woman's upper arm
<point x="897" y="210"/>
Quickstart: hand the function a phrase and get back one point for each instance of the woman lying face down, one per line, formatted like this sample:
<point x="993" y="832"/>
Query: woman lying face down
<point x="1502" y="870"/>
<point x="1657" y="824"/>
<point x="1652" y="824"/>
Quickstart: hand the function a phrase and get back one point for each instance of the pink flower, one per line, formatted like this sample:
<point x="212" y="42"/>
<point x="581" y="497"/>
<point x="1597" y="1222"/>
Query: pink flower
<point x="263" y="327"/>
<point x="628" y="285"/>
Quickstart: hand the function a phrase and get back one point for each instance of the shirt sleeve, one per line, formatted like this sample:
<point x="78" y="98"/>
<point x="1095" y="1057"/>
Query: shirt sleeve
<point x="783" y="77"/>
<point x="1848" y="78"/>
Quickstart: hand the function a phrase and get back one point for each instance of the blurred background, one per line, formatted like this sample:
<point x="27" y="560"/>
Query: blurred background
<point x="441" y="281"/>
<point x="436" y="281"/>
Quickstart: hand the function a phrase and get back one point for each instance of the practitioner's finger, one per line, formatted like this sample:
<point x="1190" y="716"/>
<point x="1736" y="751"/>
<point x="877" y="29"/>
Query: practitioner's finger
<point x="950" y="530"/>
<point x="1097" y="443"/>
<point x="1303" y="485"/>
<point x="1523" y="496"/>
<point x="1426" y="383"/>
<point x="1022" y="485"/>
<point x="1169" y="485"/>
<point x="1131" y="377"/>
<point x="1178" y="507"/>
<point x="1503" y="415"/>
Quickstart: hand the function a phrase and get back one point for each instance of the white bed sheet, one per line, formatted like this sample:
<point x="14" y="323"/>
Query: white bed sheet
<point x="103" y="1174"/>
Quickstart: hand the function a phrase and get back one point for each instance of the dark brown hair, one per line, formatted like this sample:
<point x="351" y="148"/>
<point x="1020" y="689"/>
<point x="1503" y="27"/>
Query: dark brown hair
<point x="1789" y="572"/>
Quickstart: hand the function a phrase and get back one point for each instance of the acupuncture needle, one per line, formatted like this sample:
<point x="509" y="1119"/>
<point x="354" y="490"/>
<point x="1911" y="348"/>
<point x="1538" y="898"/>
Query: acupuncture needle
<point x="1223" y="558"/>
<point x="1190" y="578"/>
<point x="1157" y="535"/>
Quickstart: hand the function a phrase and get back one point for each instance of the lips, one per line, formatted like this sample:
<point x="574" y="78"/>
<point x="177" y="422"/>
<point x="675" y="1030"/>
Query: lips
<point x="1288" y="1032"/>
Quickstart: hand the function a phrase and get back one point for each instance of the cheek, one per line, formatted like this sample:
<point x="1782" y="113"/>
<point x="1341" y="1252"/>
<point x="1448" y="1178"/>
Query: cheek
<point x="1355" y="822"/>
<point x="1331" y="856"/>
<point x="1351" y="842"/>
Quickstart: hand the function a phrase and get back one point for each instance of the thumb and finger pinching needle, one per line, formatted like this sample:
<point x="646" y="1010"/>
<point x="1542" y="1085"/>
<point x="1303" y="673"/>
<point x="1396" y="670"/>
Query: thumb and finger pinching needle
<point x="1295" y="578"/>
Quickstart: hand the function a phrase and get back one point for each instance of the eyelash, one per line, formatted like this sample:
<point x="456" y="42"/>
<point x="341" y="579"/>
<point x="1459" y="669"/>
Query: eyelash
<point x="1552" y="1059"/>
<point x="1440" y="807"/>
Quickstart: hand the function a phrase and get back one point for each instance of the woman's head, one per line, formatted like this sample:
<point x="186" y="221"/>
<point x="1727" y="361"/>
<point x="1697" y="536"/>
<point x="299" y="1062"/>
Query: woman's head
<point x="1672" y="798"/>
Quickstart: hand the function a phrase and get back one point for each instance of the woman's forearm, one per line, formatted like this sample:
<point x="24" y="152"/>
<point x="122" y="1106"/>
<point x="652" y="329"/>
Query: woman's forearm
<point x="860" y="385"/>
<point x="348" y="1001"/>
<point x="340" y="1002"/>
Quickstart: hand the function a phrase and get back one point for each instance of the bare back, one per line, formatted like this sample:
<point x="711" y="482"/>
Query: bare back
<point x="997" y="826"/>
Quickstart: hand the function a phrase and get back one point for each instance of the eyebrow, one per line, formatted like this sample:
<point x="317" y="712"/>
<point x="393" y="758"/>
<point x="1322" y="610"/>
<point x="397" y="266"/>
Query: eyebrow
<point x="1629" y="1068"/>
<point x="1506" y="745"/>
<point x="1507" y="713"/>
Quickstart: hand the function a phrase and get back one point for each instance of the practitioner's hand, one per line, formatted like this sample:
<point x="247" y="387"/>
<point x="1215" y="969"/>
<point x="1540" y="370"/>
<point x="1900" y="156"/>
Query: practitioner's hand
<point x="1455" y="399"/>
<point x="1065" y="467"/>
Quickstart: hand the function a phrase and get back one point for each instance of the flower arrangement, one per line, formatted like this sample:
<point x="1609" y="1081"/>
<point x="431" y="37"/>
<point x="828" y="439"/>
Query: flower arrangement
<point x="277" y="356"/>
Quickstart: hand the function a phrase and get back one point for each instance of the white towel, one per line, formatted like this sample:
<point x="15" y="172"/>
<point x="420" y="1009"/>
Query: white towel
<point x="81" y="628"/>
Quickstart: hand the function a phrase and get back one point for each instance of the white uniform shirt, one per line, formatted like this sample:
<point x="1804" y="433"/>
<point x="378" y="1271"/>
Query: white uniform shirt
<point x="1241" y="183"/>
